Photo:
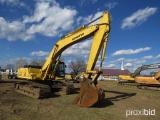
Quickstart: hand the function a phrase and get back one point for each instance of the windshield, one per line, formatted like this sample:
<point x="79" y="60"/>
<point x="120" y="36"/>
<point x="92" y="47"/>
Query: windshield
<point x="60" y="71"/>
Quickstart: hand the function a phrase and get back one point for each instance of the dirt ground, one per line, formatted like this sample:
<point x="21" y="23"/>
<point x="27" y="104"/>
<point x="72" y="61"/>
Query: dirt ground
<point x="121" y="102"/>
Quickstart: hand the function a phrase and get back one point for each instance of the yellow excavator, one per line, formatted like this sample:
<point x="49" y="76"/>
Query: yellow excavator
<point x="41" y="79"/>
<point x="152" y="80"/>
<point x="135" y="77"/>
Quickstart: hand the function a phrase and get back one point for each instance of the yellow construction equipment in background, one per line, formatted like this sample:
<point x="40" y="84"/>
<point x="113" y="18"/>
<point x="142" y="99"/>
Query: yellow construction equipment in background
<point x="125" y="79"/>
<point x="147" y="80"/>
<point x="152" y="80"/>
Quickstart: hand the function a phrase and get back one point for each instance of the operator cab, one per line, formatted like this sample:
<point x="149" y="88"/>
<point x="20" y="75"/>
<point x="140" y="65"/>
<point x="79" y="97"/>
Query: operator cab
<point x="60" y="71"/>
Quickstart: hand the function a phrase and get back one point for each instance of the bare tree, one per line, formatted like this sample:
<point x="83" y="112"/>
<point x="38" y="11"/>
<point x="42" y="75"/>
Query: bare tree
<point x="21" y="62"/>
<point x="9" y="66"/>
<point x="37" y="62"/>
<point x="77" y="67"/>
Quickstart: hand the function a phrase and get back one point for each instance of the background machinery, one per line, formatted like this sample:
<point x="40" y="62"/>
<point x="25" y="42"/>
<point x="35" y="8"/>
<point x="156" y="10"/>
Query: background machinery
<point x="44" y="78"/>
<point x="131" y="78"/>
<point x="152" y="80"/>
<point x="122" y="79"/>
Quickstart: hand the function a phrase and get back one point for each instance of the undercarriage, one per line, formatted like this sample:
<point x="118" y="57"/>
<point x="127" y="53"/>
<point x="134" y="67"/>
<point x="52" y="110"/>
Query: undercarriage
<point x="43" y="89"/>
<point x="149" y="86"/>
<point x="126" y="82"/>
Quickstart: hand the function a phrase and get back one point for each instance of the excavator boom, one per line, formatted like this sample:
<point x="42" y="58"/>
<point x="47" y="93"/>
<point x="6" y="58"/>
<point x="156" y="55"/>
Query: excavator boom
<point x="67" y="41"/>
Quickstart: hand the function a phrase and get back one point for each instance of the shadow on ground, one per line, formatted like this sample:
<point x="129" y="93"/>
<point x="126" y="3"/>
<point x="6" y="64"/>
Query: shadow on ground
<point x="119" y="95"/>
<point x="103" y="103"/>
<point x="7" y="81"/>
<point x="108" y="101"/>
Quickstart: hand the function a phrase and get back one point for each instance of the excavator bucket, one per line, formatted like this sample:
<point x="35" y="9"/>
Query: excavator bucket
<point x="88" y="95"/>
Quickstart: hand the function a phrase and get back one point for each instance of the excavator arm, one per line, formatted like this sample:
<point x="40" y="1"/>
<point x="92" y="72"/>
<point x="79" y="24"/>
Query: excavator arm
<point x="90" y="92"/>
<point x="99" y="32"/>
<point x="67" y="41"/>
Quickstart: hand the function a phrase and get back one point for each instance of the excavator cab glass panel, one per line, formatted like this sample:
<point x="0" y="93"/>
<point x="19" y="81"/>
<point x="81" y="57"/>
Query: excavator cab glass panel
<point x="60" y="71"/>
<point x="153" y="74"/>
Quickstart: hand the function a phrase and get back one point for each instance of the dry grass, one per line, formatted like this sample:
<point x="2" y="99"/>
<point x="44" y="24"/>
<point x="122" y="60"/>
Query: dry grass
<point x="119" y="98"/>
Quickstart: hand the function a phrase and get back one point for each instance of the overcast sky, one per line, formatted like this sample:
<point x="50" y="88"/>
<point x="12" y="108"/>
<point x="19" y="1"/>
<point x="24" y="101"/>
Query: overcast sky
<point x="30" y="28"/>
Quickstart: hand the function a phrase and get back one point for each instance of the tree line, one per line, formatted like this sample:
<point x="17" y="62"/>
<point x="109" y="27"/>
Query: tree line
<point x="76" y="67"/>
<point x="22" y="61"/>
